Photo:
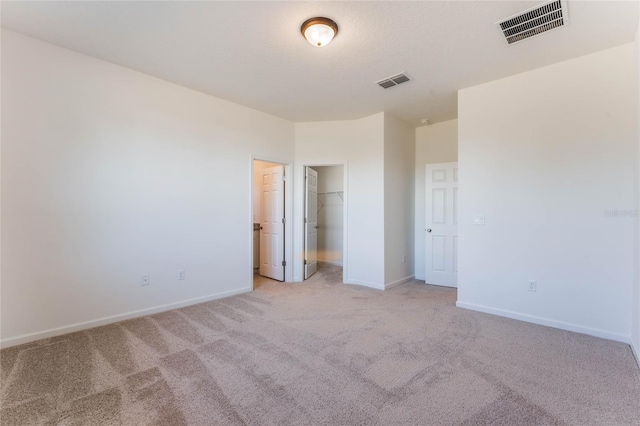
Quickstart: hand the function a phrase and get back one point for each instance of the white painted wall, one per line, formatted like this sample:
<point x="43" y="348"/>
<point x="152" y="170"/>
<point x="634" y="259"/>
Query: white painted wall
<point x="399" y="184"/>
<point x="635" y="308"/>
<point x="436" y="143"/>
<point x="109" y="174"/>
<point x="359" y="146"/>
<point x="542" y="155"/>
<point x="331" y="215"/>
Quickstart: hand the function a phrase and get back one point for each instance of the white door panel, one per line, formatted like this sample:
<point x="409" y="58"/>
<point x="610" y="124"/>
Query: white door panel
<point x="272" y="224"/>
<point x="442" y="224"/>
<point x="311" y="222"/>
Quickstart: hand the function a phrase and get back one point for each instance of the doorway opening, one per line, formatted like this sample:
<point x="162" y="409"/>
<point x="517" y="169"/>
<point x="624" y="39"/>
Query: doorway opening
<point x="269" y="220"/>
<point x="324" y="196"/>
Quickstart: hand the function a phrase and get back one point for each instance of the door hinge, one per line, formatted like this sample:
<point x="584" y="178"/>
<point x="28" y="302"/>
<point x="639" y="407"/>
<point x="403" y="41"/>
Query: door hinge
<point x="284" y="178"/>
<point x="305" y="220"/>
<point x="305" y="261"/>
<point x="283" y="221"/>
<point x="284" y="263"/>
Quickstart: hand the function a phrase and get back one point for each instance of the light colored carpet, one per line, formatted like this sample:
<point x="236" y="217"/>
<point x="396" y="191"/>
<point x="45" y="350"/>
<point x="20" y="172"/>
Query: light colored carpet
<point x="322" y="353"/>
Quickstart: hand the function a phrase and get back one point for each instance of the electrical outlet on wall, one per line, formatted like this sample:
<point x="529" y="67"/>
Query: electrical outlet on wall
<point x="533" y="285"/>
<point x="404" y="259"/>
<point x="145" y="279"/>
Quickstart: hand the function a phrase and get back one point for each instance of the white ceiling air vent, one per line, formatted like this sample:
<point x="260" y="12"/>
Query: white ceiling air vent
<point x="535" y="21"/>
<point x="393" y="81"/>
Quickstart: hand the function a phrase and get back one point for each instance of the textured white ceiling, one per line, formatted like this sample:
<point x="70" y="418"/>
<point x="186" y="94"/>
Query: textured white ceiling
<point x="253" y="53"/>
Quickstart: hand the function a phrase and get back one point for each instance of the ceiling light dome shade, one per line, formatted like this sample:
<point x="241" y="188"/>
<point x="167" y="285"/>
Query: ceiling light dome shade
<point x="319" y="31"/>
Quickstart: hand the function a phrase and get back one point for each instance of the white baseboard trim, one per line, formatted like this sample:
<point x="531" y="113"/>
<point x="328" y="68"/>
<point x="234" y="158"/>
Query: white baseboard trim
<point x="329" y="262"/>
<point x="546" y="322"/>
<point x="636" y="353"/>
<point x="30" y="337"/>
<point x="365" y="283"/>
<point x="387" y="286"/>
<point x="420" y="278"/>
<point x="378" y="286"/>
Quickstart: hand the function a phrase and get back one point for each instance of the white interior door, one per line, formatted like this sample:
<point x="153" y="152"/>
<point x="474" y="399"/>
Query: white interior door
<point x="272" y="224"/>
<point x="310" y="222"/>
<point x="442" y="224"/>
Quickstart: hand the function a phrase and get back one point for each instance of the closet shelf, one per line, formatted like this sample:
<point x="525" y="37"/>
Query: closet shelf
<point x="324" y="194"/>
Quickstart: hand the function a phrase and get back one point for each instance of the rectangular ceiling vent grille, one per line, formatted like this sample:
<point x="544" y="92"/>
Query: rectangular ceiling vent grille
<point x="393" y="81"/>
<point x="533" y="22"/>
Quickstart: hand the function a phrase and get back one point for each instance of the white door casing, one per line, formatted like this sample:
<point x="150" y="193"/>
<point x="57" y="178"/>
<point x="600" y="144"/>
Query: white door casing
<point x="441" y="233"/>
<point x="272" y="224"/>
<point x="310" y="222"/>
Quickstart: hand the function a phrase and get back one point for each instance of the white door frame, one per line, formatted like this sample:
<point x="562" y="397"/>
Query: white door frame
<point x="288" y="214"/>
<point x="299" y="218"/>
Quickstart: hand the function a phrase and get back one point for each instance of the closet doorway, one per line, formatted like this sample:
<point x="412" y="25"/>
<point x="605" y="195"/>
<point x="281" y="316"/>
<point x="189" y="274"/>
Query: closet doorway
<point x="324" y="219"/>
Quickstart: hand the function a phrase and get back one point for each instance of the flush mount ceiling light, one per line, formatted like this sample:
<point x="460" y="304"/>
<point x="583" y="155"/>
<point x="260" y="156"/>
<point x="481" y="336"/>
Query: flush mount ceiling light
<point x="319" y="31"/>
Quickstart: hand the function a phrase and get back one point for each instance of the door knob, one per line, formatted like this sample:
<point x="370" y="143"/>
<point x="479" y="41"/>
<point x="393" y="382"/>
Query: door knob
<point x="261" y="228"/>
<point x="428" y="230"/>
<point x="317" y="227"/>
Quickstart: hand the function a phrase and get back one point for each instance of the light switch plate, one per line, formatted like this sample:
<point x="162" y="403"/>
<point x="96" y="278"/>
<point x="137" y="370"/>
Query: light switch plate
<point x="478" y="220"/>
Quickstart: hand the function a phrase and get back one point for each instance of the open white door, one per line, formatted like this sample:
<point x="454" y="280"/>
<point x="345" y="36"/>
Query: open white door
<point x="272" y="225"/>
<point x="310" y="222"/>
<point x="442" y="224"/>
